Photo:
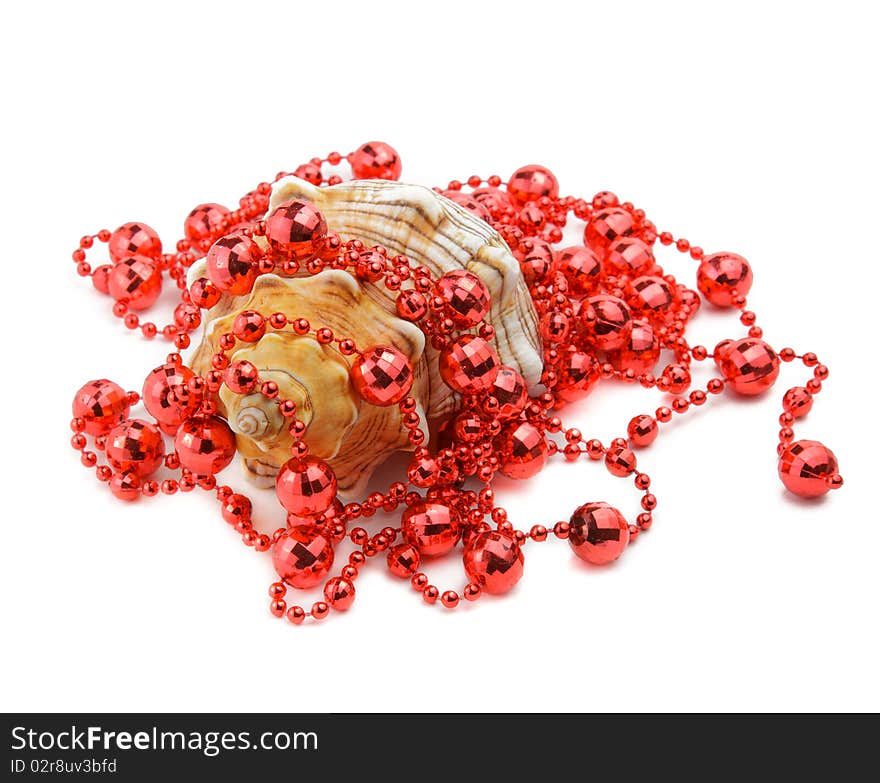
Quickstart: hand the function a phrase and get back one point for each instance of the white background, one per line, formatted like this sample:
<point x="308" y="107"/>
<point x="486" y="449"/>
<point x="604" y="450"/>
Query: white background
<point x="745" y="127"/>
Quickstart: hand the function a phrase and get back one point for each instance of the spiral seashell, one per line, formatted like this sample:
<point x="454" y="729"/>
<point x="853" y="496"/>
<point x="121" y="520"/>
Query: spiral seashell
<point x="353" y="436"/>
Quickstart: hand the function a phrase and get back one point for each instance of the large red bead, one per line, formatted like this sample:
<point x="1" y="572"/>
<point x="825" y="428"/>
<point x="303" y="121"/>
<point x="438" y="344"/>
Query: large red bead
<point x="134" y="239"/>
<point x="375" y="160"/>
<point x="205" y="221"/>
<point x="302" y="556"/>
<point x="135" y="281"/>
<point x="432" y="528"/>
<point x="167" y="397"/>
<point x="598" y="533"/>
<point x="382" y="375"/>
<point x="466" y="295"/>
<point x="579" y="372"/>
<point x="241" y="376"/>
<point x="469" y="364"/>
<point x="607" y="226"/>
<point x="605" y="322"/>
<point x="652" y="295"/>
<point x="640" y="353"/>
<point x="205" y="444"/>
<point x="231" y="264"/>
<point x="581" y="268"/>
<point x="749" y="365"/>
<point x="135" y="446"/>
<point x="805" y="468"/>
<point x="339" y="593"/>
<point x="403" y="560"/>
<point x="529" y="183"/>
<point x="628" y="256"/>
<point x="524" y="450"/>
<point x="296" y="229"/>
<point x="509" y="388"/>
<point x="494" y="561"/>
<point x="722" y="277"/>
<point x="102" y="405"/>
<point x="306" y="487"/>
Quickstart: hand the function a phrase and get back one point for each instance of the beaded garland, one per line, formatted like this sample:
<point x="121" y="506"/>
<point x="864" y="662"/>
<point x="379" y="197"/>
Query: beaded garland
<point x="605" y="308"/>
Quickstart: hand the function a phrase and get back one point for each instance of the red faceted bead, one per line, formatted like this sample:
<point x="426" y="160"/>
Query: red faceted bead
<point x="653" y="295"/>
<point x="101" y="405"/>
<point x="297" y="230"/>
<point x="806" y="468"/>
<point x="469" y="203"/>
<point x="641" y="351"/>
<point x="306" y="487"/>
<point x="581" y="268"/>
<point x="339" y="593"/>
<point x="241" y="377"/>
<point x="205" y="221"/>
<point x="509" y="388"/>
<point x="642" y="431"/>
<point x="204" y="293"/>
<point x="466" y="295"/>
<point x="620" y="461"/>
<point x="432" y="528"/>
<point x="677" y="378"/>
<point x="231" y="264"/>
<point x="382" y="375"/>
<point x="302" y="556"/>
<point x="628" y="256"/>
<point x="605" y="322"/>
<point x="403" y="560"/>
<point x="607" y="226"/>
<point x="205" y="444"/>
<point x="469" y="364"/>
<point x="749" y="365"/>
<point x="249" y="326"/>
<point x="523" y="450"/>
<point x="411" y="305"/>
<point x="135" y="281"/>
<point x="535" y="260"/>
<point x="598" y="533"/>
<point x="135" y="446"/>
<point x="797" y="401"/>
<point x="167" y="397"/>
<point x="125" y="486"/>
<point x="101" y="278"/>
<point x="310" y="172"/>
<point x="375" y="160"/>
<point x="494" y="561"/>
<point x="134" y="239"/>
<point x="529" y="183"/>
<point x="722" y="277"/>
<point x="578" y="374"/>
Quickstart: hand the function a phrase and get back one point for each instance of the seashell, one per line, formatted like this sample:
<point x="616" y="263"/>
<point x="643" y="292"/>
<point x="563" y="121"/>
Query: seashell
<point x="353" y="436"/>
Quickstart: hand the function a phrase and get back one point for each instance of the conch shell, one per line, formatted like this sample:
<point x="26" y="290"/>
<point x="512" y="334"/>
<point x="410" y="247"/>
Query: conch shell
<point x="353" y="436"/>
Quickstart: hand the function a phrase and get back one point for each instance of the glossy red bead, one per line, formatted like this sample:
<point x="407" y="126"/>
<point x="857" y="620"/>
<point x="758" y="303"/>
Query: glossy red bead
<point x="469" y="364"/>
<point x="797" y="401"/>
<point x="135" y="446"/>
<point x="403" y="560"/>
<point x="382" y="375"/>
<point x="628" y="256"/>
<point x="205" y="444"/>
<point x="339" y="593"/>
<point x="642" y="431"/>
<point x="523" y="450"/>
<point x="581" y="268"/>
<point x="241" y="377"/>
<point x="296" y="230"/>
<point x="302" y="556"/>
<point x="598" y="533"/>
<point x="126" y="486"/>
<point x="509" y="388"/>
<point x="306" y="487"/>
<point x="469" y="203"/>
<point x="167" y="397"/>
<point x="529" y="183"/>
<point x="722" y="277"/>
<point x="466" y="295"/>
<point x="536" y="261"/>
<point x="231" y="264"/>
<point x="607" y="226"/>
<point x="749" y="365"/>
<point x="135" y="281"/>
<point x="641" y="351"/>
<point x="652" y="295"/>
<point x="579" y="373"/>
<point x="806" y="468"/>
<point x="204" y="222"/>
<point x="411" y="305"/>
<point x="375" y="160"/>
<point x="432" y="528"/>
<point x="101" y="405"/>
<point x="494" y="561"/>
<point x="605" y="322"/>
<point x="134" y="239"/>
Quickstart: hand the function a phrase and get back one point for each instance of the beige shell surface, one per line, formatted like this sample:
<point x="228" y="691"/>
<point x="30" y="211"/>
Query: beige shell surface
<point x="442" y="236"/>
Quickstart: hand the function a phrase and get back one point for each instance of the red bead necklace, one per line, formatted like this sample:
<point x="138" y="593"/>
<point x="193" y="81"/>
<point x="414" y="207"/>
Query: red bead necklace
<point x="605" y="310"/>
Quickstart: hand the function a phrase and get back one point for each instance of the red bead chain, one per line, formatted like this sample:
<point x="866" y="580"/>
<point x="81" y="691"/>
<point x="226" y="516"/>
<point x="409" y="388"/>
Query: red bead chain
<point x="606" y="310"/>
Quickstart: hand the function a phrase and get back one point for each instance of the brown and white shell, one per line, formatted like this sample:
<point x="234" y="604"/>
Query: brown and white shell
<point x="353" y="436"/>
